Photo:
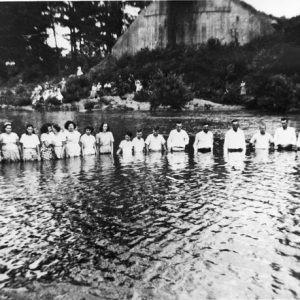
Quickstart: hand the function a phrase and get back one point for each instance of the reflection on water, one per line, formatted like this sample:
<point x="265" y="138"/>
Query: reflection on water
<point x="174" y="226"/>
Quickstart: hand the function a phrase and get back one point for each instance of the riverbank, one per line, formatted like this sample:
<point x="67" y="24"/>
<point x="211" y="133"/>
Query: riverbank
<point x="125" y="103"/>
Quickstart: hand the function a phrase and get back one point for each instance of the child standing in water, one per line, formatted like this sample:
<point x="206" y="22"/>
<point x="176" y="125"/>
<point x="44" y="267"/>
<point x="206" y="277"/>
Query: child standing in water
<point x="126" y="146"/>
<point x="88" y="142"/>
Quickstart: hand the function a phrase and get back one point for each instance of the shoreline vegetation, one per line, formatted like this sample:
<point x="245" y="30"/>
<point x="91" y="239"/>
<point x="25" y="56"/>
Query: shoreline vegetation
<point x="263" y="74"/>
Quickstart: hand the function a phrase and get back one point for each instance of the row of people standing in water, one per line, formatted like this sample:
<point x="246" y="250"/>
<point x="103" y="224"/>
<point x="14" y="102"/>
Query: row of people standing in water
<point x="55" y="143"/>
<point x="284" y="139"/>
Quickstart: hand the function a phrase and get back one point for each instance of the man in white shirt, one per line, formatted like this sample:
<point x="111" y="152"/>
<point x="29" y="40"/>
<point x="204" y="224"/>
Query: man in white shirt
<point x="285" y="136"/>
<point x="155" y="141"/>
<point x="204" y="140"/>
<point x="234" y="139"/>
<point x="178" y="138"/>
<point x="138" y="142"/>
<point x="262" y="139"/>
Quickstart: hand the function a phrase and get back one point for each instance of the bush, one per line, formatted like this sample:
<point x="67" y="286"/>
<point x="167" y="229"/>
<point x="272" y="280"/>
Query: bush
<point x="169" y="90"/>
<point x="142" y="96"/>
<point x="53" y="101"/>
<point x="89" y="105"/>
<point x="274" y="92"/>
<point x="77" y="88"/>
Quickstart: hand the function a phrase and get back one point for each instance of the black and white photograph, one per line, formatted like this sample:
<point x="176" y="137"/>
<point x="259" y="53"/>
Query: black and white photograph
<point x="150" y="150"/>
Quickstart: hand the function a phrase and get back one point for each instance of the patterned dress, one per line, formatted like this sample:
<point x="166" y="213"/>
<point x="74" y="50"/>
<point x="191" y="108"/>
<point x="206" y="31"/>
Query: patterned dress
<point x="47" y="152"/>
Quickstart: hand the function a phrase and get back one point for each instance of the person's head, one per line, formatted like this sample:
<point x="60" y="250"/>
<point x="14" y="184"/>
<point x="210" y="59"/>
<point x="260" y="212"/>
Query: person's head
<point x="178" y="126"/>
<point x="46" y="128"/>
<point x="262" y="128"/>
<point x="104" y="127"/>
<point x="205" y="127"/>
<point x="284" y="123"/>
<point x="7" y="127"/>
<point x="235" y="124"/>
<point x="128" y="136"/>
<point x="139" y="133"/>
<point x="70" y="126"/>
<point x="29" y="129"/>
<point x="56" y="128"/>
<point x="155" y="131"/>
<point x="88" y="130"/>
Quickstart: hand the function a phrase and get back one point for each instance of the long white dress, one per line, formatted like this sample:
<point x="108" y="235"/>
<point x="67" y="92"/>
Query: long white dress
<point x="72" y="143"/>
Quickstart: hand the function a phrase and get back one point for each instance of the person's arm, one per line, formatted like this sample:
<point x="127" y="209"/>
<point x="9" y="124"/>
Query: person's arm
<point x="120" y="149"/>
<point x="226" y="144"/>
<point x="169" y="141"/>
<point x="98" y="143"/>
<point x="38" y="151"/>
<point x="276" y="139"/>
<point x="164" y="145"/>
<point x="243" y="142"/>
<point x="253" y="141"/>
<point x="212" y="141"/>
<point x="186" y="139"/>
<point x="19" y="146"/>
<point x="112" y="144"/>
<point x="147" y="142"/>
<point x="81" y="146"/>
<point x="196" y="143"/>
<point x="294" y="138"/>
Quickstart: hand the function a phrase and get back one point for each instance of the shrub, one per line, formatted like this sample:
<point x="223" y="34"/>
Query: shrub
<point x="89" y="105"/>
<point x="169" y="90"/>
<point x="142" y="96"/>
<point x="77" y="87"/>
<point x="53" y="101"/>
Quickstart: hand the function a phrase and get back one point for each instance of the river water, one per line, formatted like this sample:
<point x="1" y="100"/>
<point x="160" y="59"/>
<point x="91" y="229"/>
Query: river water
<point x="173" y="226"/>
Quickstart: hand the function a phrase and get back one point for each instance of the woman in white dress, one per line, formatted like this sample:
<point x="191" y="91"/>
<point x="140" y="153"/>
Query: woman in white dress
<point x="72" y="140"/>
<point x="59" y="141"/>
<point x="9" y="142"/>
<point x="88" y="142"/>
<point x="30" y="143"/>
<point x="47" y="151"/>
<point x="105" y="140"/>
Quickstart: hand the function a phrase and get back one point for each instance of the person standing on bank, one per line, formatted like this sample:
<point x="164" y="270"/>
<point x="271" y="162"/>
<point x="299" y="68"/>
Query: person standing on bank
<point x="105" y="140"/>
<point x="47" y="151"/>
<point x="88" y="142"/>
<point x="9" y="142"/>
<point x="285" y="136"/>
<point x="262" y="139"/>
<point x="178" y="138"/>
<point x="234" y="139"/>
<point x="72" y="140"/>
<point x="155" y="142"/>
<point x="204" y="140"/>
<point x="138" y="142"/>
<point x="30" y="145"/>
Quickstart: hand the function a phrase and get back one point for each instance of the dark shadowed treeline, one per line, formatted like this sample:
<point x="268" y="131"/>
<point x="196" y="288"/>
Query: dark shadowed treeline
<point x="93" y="28"/>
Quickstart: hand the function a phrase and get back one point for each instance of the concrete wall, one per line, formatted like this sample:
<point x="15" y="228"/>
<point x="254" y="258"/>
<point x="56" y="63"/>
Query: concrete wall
<point x="165" y="23"/>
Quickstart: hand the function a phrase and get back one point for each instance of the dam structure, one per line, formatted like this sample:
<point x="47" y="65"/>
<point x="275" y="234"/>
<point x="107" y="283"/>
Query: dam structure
<point x="192" y="23"/>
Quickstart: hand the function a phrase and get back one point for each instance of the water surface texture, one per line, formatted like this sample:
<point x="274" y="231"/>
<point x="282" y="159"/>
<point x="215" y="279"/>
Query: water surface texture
<point x="175" y="226"/>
